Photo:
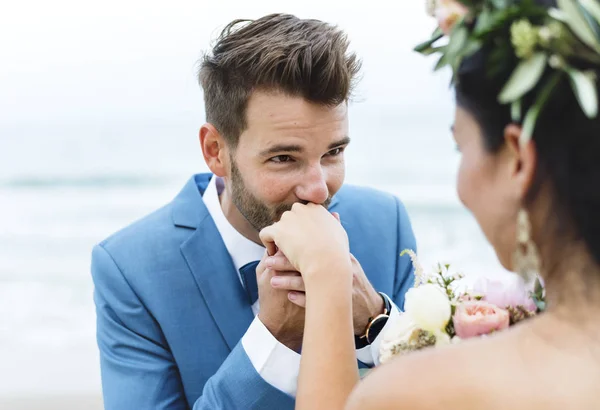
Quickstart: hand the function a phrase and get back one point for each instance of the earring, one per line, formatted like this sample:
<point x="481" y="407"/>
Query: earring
<point x="431" y="6"/>
<point x="526" y="257"/>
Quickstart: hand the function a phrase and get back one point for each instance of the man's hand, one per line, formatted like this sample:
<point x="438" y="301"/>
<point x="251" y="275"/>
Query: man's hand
<point x="366" y="302"/>
<point x="284" y="319"/>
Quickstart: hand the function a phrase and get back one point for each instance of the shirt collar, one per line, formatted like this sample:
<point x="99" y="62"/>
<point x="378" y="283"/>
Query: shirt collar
<point x="241" y="249"/>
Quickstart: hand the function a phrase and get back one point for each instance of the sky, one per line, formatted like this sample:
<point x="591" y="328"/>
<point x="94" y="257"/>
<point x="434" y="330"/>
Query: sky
<point x="75" y="61"/>
<point x="92" y="88"/>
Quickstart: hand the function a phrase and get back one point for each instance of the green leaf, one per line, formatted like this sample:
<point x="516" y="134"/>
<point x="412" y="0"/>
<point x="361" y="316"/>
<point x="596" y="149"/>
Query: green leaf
<point x="426" y="45"/>
<point x="500" y="4"/>
<point x="557" y="14"/>
<point x="484" y="22"/>
<point x="442" y="62"/>
<point x="538" y="289"/>
<point x="578" y="23"/>
<point x="591" y="22"/>
<point x="432" y="50"/>
<point x="593" y="7"/>
<point x="472" y="47"/>
<point x="515" y="111"/>
<point x="437" y="32"/>
<point x="458" y="39"/>
<point x="523" y="78"/>
<point x="467" y="3"/>
<point x="586" y="92"/>
<point x="534" y="112"/>
<point x="540" y="304"/>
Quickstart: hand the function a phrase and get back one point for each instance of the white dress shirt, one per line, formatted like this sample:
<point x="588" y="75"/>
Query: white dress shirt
<point x="276" y="363"/>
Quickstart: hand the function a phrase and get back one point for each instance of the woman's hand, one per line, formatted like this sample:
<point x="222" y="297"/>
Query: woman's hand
<point x="312" y="239"/>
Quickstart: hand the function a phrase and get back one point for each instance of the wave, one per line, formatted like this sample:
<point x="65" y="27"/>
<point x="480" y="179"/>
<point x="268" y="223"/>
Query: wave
<point x="92" y="181"/>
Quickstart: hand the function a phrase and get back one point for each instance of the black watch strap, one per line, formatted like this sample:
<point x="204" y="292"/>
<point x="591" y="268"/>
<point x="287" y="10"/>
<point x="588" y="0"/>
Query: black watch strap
<point x="375" y="325"/>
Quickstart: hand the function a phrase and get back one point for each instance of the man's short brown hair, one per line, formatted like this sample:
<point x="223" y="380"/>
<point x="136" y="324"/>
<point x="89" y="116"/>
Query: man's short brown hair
<point x="278" y="52"/>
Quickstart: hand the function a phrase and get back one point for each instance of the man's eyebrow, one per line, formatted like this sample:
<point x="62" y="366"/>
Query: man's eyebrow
<point x="343" y="141"/>
<point x="279" y="148"/>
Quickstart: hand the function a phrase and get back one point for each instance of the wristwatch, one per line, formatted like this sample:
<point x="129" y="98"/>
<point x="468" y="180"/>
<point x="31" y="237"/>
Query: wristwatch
<point x="375" y="325"/>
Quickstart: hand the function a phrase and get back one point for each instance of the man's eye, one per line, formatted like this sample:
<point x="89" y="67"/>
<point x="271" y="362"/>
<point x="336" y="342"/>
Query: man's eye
<point x="281" y="159"/>
<point x="335" y="152"/>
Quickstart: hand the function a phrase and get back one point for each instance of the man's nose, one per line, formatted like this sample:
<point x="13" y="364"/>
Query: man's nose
<point x="313" y="187"/>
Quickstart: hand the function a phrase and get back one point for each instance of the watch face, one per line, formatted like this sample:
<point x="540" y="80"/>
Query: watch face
<point x="376" y="327"/>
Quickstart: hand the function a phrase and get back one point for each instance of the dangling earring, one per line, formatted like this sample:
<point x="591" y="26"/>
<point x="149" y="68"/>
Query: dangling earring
<point x="430" y="6"/>
<point x="526" y="258"/>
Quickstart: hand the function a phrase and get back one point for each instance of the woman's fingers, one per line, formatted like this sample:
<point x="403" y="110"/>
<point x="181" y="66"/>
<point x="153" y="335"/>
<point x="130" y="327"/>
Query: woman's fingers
<point x="279" y="262"/>
<point x="267" y="237"/>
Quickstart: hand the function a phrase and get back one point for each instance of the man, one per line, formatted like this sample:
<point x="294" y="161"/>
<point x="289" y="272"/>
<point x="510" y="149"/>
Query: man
<point x="186" y="317"/>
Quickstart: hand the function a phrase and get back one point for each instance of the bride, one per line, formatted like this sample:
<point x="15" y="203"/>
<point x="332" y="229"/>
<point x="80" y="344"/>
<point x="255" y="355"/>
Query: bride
<point x="530" y="174"/>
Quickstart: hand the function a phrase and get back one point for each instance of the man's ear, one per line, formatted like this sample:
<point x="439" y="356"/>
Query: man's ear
<point x="214" y="149"/>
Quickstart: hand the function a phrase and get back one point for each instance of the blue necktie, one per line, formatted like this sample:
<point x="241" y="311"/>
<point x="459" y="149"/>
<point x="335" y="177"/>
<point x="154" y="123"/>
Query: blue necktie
<point x="248" y="274"/>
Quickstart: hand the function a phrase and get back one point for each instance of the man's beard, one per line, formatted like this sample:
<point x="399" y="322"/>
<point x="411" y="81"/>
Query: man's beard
<point x="256" y="212"/>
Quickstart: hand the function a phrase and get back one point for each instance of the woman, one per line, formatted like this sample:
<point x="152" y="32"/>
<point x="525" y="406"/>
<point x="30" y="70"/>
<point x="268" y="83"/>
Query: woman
<point x="536" y="198"/>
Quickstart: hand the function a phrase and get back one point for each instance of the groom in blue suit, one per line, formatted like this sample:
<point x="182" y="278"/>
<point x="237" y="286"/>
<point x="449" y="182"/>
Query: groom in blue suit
<point x="188" y="314"/>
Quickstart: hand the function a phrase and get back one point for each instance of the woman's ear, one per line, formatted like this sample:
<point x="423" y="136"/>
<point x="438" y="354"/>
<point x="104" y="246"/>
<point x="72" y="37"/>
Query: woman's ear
<point x="522" y="159"/>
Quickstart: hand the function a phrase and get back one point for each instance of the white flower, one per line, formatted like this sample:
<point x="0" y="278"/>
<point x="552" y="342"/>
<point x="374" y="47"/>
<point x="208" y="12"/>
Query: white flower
<point x="428" y="307"/>
<point x="400" y="331"/>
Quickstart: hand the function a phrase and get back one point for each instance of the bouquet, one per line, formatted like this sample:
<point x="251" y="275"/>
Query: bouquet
<point x="438" y="313"/>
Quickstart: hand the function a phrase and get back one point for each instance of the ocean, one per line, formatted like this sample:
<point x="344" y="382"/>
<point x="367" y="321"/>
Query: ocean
<point x="66" y="188"/>
<point x="99" y="117"/>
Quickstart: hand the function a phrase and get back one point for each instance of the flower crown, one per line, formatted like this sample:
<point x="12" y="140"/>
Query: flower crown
<point x="560" y="39"/>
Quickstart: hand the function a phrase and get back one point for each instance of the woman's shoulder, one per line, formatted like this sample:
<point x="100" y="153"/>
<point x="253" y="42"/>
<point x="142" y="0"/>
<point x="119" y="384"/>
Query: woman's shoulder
<point x="468" y="375"/>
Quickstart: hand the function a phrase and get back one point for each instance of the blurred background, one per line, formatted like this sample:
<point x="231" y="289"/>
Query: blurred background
<point x="99" y="118"/>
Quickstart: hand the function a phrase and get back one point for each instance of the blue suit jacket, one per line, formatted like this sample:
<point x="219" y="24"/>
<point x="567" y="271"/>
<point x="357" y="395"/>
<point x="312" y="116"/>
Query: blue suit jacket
<point x="171" y="310"/>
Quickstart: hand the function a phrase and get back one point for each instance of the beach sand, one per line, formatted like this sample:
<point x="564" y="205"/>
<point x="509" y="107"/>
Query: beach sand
<point x="72" y="402"/>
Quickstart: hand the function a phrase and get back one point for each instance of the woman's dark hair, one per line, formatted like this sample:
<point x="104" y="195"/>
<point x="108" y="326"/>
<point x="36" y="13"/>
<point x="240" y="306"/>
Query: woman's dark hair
<point x="567" y="143"/>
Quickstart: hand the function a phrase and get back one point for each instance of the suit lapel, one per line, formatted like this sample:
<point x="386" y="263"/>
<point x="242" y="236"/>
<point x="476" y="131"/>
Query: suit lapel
<point x="211" y="264"/>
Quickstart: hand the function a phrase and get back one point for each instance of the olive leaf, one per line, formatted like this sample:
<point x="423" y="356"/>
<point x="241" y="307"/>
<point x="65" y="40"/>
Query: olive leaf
<point x="533" y="112"/>
<point x="472" y="47"/>
<point x="585" y="90"/>
<point x="427" y="45"/>
<point x="500" y="4"/>
<point x="557" y="14"/>
<point x="578" y="23"/>
<point x="524" y="78"/>
<point x="466" y="3"/>
<point x="442" y="62"/>
<point x="457" y="40"/>
<point x="432" y="50"/>
<point x="593" y="7"/>
<point x="515" y="111"/>
<point x="484" y="22"/>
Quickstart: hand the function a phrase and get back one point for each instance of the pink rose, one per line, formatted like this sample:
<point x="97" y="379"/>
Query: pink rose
<point x="509" y="292"/>
<point x="478" y="318"/>
<point x="448" y="12"/>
